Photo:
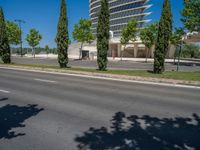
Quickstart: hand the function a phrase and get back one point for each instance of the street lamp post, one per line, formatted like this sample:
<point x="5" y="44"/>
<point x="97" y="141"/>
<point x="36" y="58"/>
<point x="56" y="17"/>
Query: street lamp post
<point x="179" y="53"/>
<point x="20" y="26"/>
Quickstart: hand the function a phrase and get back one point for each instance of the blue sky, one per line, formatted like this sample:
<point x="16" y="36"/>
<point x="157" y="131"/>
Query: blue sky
<point x="43" y="14"/>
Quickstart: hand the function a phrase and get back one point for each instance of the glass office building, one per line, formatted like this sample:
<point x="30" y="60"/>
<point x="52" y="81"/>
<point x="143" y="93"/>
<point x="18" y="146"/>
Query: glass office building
<point x="121" y="11"/>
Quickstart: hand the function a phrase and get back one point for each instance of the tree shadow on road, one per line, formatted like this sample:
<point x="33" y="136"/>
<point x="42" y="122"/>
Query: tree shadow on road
<point x="3" y="99"/>
<point x="13" y="116"/>
<point x="186" y="64"/>
<point x="143" y="133"/>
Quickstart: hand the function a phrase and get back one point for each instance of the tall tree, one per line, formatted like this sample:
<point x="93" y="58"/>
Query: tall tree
<point x="13" y="32"/>
<point x="33" y="39"/>
<point x="176" y="40"/>
<point x="46" y="48"/>
<point x="103" y="35"/>
<point x="163" y="38"/>
<point x="62" y="38"/>
<point x="4" y="43"/>
<point x="129" y="32"/>
<point x="177" y="36"/>
<point x="191" y="51"/>
<point x="191" y="15"/>
<point x="148" y="36"/>
<point x="82" y="33"/>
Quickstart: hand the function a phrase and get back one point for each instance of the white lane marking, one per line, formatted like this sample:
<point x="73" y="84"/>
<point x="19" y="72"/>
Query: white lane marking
<point x="107" y="78"/>
<point x="4" y="91"/>
<point x="43" y="80"/>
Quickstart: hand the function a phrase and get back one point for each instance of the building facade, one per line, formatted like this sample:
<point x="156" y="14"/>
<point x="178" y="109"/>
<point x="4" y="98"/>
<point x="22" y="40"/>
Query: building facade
<point x="121" y="11"/>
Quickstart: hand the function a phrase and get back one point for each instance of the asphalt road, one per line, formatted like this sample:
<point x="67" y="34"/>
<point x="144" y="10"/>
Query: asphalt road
<point x="40" y="111"/>
<point x="111" y="64"/>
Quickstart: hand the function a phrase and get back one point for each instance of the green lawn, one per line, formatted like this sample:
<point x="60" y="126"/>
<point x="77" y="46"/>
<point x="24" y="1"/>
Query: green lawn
<point x="193" y="76"/>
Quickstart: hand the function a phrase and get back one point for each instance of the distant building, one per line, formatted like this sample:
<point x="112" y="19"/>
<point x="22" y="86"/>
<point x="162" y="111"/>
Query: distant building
<point x="192" y="38"/>
<point x="121" y="11"/>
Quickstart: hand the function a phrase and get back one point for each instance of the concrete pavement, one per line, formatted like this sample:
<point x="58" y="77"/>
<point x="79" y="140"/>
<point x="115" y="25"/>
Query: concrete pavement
<point x="42" y="111"/>
<point x="194" y="66"/>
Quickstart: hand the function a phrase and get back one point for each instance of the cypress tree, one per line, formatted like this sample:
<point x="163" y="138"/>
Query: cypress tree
<point x="4" y="43"/>
<point x="62" y="38"/>
<point x="163" y="38"/>
<point x="103" y="35"/>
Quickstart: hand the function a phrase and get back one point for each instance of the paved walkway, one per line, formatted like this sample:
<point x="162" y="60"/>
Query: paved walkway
<point x="125" y="64"/>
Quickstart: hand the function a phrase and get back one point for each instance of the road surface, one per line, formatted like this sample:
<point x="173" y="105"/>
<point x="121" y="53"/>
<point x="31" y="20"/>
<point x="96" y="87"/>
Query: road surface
<point x="111" y="64"/>
<point x="41" y="111"/>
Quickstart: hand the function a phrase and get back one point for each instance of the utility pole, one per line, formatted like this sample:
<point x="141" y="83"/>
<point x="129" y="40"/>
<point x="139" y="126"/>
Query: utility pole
<point x="19" y="21"/>
<point x="179" y="53"/>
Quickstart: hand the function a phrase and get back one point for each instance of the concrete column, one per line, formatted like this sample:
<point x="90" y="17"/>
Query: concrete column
<point x="111" y="51"/>
<point x="152" y="51"/>
<point x="119" y="50"/>
<point x="135" y="50"/>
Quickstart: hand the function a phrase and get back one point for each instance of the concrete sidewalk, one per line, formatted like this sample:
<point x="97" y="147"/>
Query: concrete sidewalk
<point x="137" y="64"/>
<point x="53" y="56"/>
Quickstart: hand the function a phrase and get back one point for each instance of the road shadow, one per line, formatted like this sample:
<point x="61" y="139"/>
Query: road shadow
<point x="189" y="64"/>
<point x="3" y="99"/>
<point x="13" y="116"/>
<point x="143" y="133"/>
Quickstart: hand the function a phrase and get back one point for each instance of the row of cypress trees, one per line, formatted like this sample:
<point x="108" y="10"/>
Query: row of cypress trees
<point x="62" y="38"/>
<point x="103" y="28"/>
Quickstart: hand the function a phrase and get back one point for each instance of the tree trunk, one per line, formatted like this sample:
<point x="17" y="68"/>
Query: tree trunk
<point x="175" y="58"/>
<point x="33" y="52"/>
<point x="147" y="50"/>
<point x="122" y="51"/>
<point x="11" y="51"/>
<point x="121" y="54"/>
